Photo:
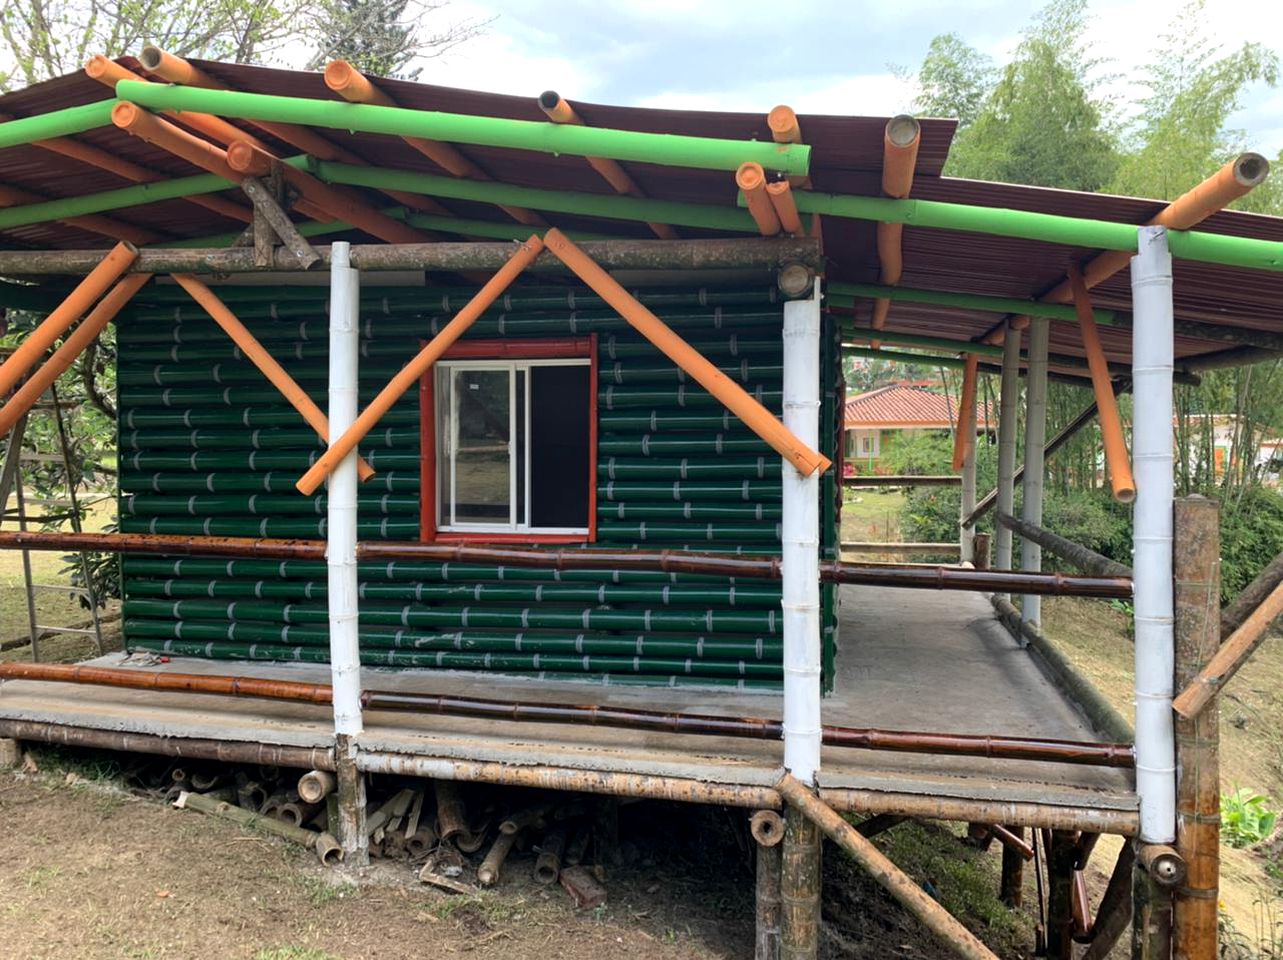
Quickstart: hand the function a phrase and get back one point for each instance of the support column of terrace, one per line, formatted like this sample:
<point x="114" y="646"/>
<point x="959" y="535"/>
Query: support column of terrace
<point x="1035" y="438"/>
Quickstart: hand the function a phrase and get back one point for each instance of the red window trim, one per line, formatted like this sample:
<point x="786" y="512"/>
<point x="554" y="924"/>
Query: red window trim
<point x="566" y="348"/>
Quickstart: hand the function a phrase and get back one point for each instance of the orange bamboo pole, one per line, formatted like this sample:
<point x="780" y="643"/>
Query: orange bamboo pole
<point x="351" y="84"/>
<point x="108" y="72"/>
<point x="1111" y="424"/>
<point x="756" y="417"/>
<point x="257" y="354"/>
<point x="409" y="375"/>
<point x="965" y="434"/>
<point x="39" y="340"/>
<point x="1235" y="179"/>
<point x="784" y="127"/>
<point x="30" y="392"/>
<point x="781" y="196"/>
<point x="900" y="143"/>
<point x="559" y="111"/>
<point x="247" y="160"/>
<point x="1231" y="656"/>
<point x="97" y="157"/>
<point x="91" y="223"/>
<point x="751" y="178"/>
<point x="177" y="70"/>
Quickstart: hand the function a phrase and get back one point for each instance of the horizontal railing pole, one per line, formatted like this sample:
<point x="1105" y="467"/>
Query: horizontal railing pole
<point x="1044" y="227"/>
<point x="754" y="728"/>
<point x="1089" y="561"/>
<point x="668" y="149"/>
<point x="668" y="561"/>
<point x="56" y="123"/>
<point x="873" y="546"/>
<point x="901" y="480"/>
<point x="728" y="253"/>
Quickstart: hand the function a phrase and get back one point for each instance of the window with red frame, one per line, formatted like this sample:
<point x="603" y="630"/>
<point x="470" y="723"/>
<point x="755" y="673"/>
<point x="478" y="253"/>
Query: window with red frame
<point x="509" y="442"/>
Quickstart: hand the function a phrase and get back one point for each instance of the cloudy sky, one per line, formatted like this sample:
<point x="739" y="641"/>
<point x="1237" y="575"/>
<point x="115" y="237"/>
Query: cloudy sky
<point x="819" y="56"/>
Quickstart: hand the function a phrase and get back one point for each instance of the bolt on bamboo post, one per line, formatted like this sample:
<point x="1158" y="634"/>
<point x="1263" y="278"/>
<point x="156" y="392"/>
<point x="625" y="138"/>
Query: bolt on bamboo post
<point x="1198" y="591"/>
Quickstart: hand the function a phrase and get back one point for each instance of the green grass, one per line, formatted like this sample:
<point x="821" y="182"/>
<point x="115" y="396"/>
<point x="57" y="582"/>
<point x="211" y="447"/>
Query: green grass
<point x="872" y="515"/>
<point x="293" y="953"/>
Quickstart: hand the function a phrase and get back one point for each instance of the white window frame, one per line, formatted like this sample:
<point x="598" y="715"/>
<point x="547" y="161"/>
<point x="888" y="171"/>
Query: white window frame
<point x="447" y="433"/>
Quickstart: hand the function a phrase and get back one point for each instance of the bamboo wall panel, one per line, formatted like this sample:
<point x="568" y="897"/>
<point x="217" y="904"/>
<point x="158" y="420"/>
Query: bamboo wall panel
<point x="207" y="448"/>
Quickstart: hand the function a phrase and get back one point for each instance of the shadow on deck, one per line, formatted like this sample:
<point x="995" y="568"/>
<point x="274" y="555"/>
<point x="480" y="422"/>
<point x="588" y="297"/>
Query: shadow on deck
<point x="908" y="660"/>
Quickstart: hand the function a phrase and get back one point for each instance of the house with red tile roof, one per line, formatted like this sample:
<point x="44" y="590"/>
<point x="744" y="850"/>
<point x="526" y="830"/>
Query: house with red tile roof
<point x="870" y="419"/>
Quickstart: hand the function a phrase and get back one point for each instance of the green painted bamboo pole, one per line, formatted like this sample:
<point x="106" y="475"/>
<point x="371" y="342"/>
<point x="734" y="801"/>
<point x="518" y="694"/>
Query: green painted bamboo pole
<point x="56" y="123"/>
<point x="669" y="149"/>
<point x="611" y="206"/>
<point x="897" y="356"/>
<point x="844" y="294"/>
<point x="133" y="196"/>
<point x="913" y="340"/>
<point x="1045" y="227"/>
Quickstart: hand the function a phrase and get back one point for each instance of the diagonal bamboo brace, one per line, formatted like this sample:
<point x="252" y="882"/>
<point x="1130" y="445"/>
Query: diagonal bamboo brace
<point x="417" y="367"/>
<point x="755" y="416"/>
<point x="965" y="434"/>
<point x="894" y="880"/>
<point x="39" y="340"/>
<point x="1111" y="424"/>
<point x="1229" y="659"/>
<point x="257" y="354"/>
<point x="30" y="392"/>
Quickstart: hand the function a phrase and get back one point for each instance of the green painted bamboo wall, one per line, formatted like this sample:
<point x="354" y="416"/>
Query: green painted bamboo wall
<point x="207" y="447"/>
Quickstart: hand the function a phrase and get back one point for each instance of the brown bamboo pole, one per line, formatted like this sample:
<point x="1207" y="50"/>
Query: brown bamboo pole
<point x="409" y="375"/>
<point x="1198" y="593"/>
<point x="559" y="111"/>
<point x="758" y="728"/>
<point x="768" y="907"/>
<point x="1011" y="888"/>
<point x="1151" y="917"/>
<point x="258" y="355"/>
<point x="927" y="577"/>
<point x="704" y="254"/>
<point x="323" y="844"/>
<point x="35" y="344"/>
<point x="902" y="887"/>
<point x="268" y="210"/>
<point x="754" y="416"/>
<point x="1203" y="687"/>
<point x="1062" y="853"/>
<point x="33" y="389"/>
<point x="801" y="885"/>
<point x="1251" y="596"/>
<point x="1115" y="911"/>
<point x="1111" y="424"/>
<point x="1087" y="560"/>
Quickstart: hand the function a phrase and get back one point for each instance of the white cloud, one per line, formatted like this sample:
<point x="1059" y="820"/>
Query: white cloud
<point x="881" y="94"/>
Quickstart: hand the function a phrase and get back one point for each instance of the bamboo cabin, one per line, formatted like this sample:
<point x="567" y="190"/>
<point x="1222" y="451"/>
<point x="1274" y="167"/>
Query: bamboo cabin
<point x="491" y="438"/>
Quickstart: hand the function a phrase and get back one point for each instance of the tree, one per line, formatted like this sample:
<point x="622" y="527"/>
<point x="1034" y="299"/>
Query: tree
<point x="1043" y="122"/>
<point x="381" y="37"/>
<point x="48" y="38"/>
<point x="954" y="80"/>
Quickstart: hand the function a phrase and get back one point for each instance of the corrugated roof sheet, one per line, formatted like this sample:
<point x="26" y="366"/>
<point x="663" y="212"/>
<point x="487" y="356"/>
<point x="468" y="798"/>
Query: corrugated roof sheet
<point x="847" y="158"/>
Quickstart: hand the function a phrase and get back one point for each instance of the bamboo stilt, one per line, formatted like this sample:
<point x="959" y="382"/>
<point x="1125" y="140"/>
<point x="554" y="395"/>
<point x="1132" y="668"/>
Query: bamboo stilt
<point x="1151" y="917"/>
<point x="800" y="875"/>
<point x="1011" y="891"/>
<point x="1062" y="854"/>
<point x="1198" y="590"/>
<point x="1115" y="910"/>
<point x="350" y="827"/>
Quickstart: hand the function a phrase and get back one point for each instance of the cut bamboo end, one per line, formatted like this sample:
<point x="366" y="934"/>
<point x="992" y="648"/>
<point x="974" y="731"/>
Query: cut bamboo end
<point x="784" y="124"/>
<point x="107" y="72"/>
<point x="900" y="155"/>
<point x="350" y="83"/>
<point x="781" y="196"/>
<point x="169" y="67"/>
<point x="245" y="158"/>
<point x="557" y="109"/>
<point x="1250" y="169"/>
<point x="751" y="178"/>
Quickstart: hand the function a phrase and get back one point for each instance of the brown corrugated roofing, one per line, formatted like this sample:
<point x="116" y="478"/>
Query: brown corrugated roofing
<point x="847" y="158"/>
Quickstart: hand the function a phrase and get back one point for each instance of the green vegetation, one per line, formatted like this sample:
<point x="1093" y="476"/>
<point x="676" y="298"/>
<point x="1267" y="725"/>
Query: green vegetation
<point x="1245" y="818"/>
<point x="294" y="953"/>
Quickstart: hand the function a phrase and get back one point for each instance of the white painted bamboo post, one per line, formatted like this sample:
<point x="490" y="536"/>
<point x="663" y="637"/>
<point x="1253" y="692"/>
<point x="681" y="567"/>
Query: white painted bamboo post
<point x="800" y="536"/>
<point x="1152" y="452"/>
<point x="340" y="556"/>
<point x="967" y="534"/>
<point x="1035" y="439"/>
<point x="1008" y="411"/>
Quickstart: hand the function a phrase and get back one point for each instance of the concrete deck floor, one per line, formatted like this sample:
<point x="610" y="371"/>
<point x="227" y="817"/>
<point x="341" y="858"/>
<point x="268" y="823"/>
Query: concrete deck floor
<point x="908" y="660"/>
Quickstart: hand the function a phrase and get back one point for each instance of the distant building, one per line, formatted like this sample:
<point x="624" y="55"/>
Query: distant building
<point x="872" y="418"/>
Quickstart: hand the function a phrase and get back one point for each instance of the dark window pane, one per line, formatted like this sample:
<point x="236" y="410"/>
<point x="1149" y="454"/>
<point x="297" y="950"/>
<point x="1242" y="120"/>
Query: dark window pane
<point x="559" y="428"/>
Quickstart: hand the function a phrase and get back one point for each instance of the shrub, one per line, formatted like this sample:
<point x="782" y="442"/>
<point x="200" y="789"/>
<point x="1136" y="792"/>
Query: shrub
<point x="1245" y="818"/>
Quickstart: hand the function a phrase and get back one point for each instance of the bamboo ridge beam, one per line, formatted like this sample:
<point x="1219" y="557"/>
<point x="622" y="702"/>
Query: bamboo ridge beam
<point x="669" y="149"/>
<point x="419" y="365"/>
<point x="34" y="345"/>
<point x="667" y="561"/>
<point x="756" y="728"/>
<point x="711" y="254"/>
<point x="1086" y="560"/>
<point x="56" y="123"/>
<point x="736" y="399"/>
<point x="258" y="355"/>
<point x="902" y="887"/>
